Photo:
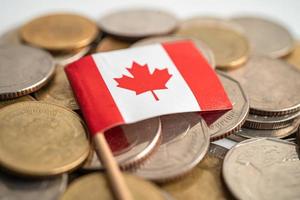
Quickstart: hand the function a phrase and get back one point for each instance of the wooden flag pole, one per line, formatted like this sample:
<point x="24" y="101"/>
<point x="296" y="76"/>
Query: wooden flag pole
<point x="114" y="173"/>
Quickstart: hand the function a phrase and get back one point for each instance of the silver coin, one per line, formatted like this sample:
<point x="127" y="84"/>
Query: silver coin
<point x="13" y="188"/>
<point x="266" y="37"/>
<point x="263" y="168"/>
<point x="131" y="144"/>
<point x="185" y="141"/>
<point x="232" y="120"/>
<point x="11" y="37"/>
<point x="272" y="85"/>
<point x="23" y="70"/>
<point x="203" y="48"/>
<point x="217" y="151"/>
<point x="135" y="24"/>
<point x="276" y="133"/>
<point x="268" y="122"/>
<point x="64" y="58"/>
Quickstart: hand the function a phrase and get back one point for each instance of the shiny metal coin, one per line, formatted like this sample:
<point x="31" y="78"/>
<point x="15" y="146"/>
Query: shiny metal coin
<point x="13" y="188"/>
<point x="63" y="58"/>
<point x="263" y="168"/>
<point x="185" y="142"/>
<point x="136" y="24"/>
<point x="217" y="151"/>
<point x="203" y="48"/>
<point x="131" y="144"/>
<point x="272" y="85"/>
<point x="23" y="70"/>
<point x="232" y="120"/>
<point x="265" y="36"/>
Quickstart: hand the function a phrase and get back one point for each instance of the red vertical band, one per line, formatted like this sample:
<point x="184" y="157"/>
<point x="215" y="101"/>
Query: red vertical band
<point x="200" y="77"/>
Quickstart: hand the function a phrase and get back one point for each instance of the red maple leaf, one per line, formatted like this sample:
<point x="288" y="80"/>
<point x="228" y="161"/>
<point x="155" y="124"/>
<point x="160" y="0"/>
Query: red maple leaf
<point x="142" y="81"/>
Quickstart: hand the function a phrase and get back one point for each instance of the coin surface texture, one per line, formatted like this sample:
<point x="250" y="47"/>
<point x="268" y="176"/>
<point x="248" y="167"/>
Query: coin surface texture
<point x="12" y="188"/>
<point x="131" y="144"/>
<point x="263" y="168"/>
<point x="203" y="48"/>
<point x="23" y="70"/>
<point x="229" y="46"/>
<point x="266" y="37"/>
<point x="294" y="57"/>
<point x="40" y="139"/>
<point x="272" y="85"/>
<point x="95" y="186"/>
<point x="233" y="119"/>
<point x="59" y="32"/>
<point x="185" y="141"/>
<point x="109" y="44"/>
<point x="58" y="91"/>
<point x="65" y="58"/>
<point x="16" y="100"/>
<point x="135" y="24"/>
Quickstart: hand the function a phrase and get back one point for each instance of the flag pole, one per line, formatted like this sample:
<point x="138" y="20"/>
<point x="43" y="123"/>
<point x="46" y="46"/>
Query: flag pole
<point x="114" y="173"/>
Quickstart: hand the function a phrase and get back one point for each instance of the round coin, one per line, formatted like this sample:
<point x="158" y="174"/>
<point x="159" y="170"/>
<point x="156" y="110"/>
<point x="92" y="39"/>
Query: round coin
<point x="203" y="48"/>
<point x="131" y="144"/>
<point x="59" y="32"/>
<point x="185" y="141"/>
<point x="13" y="188"/>
<point x="95" y="186"/>
<point x="265" y="36"/>
<point x="229" y="46"/>
<point x="10" y="37"/>
<point x="23" y="70"/>
<point x="272" y="86"/>
<point x="263" y="168"/>
<point x="40" y="139"/>
<point x="233" y="119"/>
<point x="58" y="91"/>
<point x="294" y="57"/>
<point x="63" y="58"/>
<point x="109" y="44"/>
<point x="136" y="24"/>
<point x="16" y="100"/>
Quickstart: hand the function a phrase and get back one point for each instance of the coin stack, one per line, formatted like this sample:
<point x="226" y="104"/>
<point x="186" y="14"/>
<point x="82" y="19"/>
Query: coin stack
<point x="45" y="152"/>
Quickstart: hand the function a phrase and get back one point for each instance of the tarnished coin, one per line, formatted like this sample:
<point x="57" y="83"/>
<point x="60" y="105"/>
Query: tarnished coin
<point x="131" y="144"/>
<point x="233" y="119"/>
<point x="23" y="70"/>
<point x="267" y="122"/>
<point x="16" y="100"/>
<point x="272" y="86"/>
<point x="185" y="141"/>
<point x="95" y="186"/>
<point x="63" y="58"/>
<point x="265" y="36"/>
<point x="136" y="24"/>
<point x="58" y="91"/>
<point x="294" y="57"/>
<point x="204" y="182"/>
<point x="109" y="44"/>
<point x="229" y="46"/>
<point x="13" y="188"/>
<point x="203" y="48"/>
<point x="59" y="32"/>
<point x="40" y="139"/>
<point x="263" y="168"/>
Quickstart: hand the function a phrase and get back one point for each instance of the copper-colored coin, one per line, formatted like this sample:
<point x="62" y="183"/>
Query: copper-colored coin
<point x="294" y="57"/>
<point x="59" y="32"/>
<point x="136" y="24"/>
<point x="40" y="139"/>
<point x="96" y="187"/>
<point x="58" y="91"/>
<point x="230" y="47"/>
<point x="109" y="44"/>
<point x="16" y="100"/>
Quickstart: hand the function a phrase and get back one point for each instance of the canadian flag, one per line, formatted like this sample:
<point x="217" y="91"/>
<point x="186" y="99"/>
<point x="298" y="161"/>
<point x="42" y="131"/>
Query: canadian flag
<point x="134" y="84"/>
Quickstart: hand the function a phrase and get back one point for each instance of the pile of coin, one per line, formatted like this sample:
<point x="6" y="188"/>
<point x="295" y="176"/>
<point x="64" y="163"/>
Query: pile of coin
<point x="45" y="151"/>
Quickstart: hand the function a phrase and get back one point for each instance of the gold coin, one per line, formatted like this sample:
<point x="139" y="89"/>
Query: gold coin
<point x="294" y="57"/>
<point x="58" y="91"/>
<point x="41" y="139"/>
<point x="95" y="186"/>
<point x="16" y="100"/>
<point x="59" y="32"/>
<point x="109" y="44"/>
<point x="230" y="47"/>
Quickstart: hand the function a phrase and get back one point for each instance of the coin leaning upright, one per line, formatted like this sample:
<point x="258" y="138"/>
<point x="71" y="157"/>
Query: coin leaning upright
<point x="40" y="139"/>
<point x="23" y="70"/>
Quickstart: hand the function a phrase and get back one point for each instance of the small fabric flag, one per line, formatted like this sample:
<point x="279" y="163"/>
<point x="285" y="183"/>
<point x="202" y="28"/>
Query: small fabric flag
<point x="134" y="84"/>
